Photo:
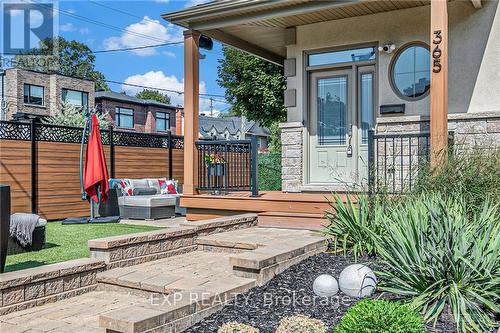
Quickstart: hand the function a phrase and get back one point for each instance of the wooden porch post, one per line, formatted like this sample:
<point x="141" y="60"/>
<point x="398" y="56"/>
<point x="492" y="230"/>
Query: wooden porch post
<point x="191" y="110"/>
<point x="439" y="82"/>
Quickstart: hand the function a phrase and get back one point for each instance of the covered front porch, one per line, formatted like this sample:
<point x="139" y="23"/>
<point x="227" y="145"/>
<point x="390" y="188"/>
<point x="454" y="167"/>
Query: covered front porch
<point x="303" y="37"/>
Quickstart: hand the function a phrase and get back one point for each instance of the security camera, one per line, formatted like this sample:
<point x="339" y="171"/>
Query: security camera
<point x="387" y="48"/>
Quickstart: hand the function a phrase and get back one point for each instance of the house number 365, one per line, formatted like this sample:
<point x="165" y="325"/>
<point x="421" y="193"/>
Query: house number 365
<point x="436" y="52"/>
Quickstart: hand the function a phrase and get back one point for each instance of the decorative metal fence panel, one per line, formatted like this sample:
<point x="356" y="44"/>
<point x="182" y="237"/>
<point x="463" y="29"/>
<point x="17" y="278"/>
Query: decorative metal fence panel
<point x="11" y="130"/>
<point x="225" y="166"/>
<point x="395" y="160"/>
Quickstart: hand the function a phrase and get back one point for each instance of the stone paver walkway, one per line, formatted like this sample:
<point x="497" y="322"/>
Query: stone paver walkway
<point x="127" y="291"/>
<point x="76" y="315"/>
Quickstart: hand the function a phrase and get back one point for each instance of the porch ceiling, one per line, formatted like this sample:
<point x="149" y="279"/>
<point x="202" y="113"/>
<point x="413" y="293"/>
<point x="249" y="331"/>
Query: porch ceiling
<point x="258" y="26"/>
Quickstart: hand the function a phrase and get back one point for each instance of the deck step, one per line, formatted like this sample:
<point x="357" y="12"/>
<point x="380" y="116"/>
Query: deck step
<point x="311" y="221"/>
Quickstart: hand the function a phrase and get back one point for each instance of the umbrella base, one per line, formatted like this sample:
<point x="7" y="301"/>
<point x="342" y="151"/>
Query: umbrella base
<point x="105" y="219"/>
<point x="75" y="220"/>
<point x="85" y="220"/>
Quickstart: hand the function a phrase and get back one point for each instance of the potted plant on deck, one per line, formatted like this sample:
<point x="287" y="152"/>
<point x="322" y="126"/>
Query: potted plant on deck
<point x="215" y="163"/>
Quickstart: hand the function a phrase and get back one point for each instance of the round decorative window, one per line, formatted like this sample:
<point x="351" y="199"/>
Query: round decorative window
<point x="410" y="71"/>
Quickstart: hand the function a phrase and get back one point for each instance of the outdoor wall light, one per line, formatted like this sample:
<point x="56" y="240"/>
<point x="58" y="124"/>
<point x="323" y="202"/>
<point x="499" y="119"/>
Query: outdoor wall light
<point x="206" y="42"/>
<point x="387" y="48"/>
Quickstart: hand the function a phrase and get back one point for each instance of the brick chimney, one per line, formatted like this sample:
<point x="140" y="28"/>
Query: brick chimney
<point x="179" y="122"/>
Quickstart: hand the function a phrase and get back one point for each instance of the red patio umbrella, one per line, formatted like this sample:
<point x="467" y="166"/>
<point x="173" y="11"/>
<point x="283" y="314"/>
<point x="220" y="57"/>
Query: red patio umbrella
<point x="95" y="181"/>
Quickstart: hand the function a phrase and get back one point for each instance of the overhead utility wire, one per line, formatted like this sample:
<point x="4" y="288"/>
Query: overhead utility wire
<point x="124" y="12"/>
<point x="206" y="96"/>
<point x="137" y="47"/>
<point x="89" y="20"/>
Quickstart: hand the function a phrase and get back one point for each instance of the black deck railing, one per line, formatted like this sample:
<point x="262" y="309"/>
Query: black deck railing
<point x="394" y="160"/>
<point x="225" y="166"/>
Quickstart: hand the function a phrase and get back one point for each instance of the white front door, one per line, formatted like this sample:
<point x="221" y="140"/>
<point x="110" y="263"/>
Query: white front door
<point x="341" y="112"/>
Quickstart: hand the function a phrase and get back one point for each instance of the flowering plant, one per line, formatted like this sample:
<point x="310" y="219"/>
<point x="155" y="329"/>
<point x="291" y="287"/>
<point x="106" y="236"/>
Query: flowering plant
<point x="214" y="158"/>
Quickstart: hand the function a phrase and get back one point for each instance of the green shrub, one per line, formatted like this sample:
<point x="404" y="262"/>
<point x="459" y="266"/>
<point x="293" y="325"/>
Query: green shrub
<point x="270" y="172"/>
<point x="351" y="226"/>
<point x="473" y="174"/>
<point x="235" y="327"/>
<point x="440" y="255"/>
<point x="380" y="316"/>
<point x="301" y="324"/>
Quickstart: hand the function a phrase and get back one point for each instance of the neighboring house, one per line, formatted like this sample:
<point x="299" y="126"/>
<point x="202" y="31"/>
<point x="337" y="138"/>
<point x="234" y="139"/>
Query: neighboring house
<point x="233" y="128"/>
<point x="356" y="65"/>
<point x="228" y="128"/>
<point x="36" y="94"/>
<point x="135" y="114"/>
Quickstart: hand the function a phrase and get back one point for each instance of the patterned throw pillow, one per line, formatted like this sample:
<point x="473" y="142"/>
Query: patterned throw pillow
<point x="126" y="187"/>
<point x="168" y="186"/>
<point x="163" y="186"/>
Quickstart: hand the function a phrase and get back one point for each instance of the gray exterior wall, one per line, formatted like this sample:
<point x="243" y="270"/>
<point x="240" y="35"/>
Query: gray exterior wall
<point x="53" y="85"/>
<point x="474" y="75"/>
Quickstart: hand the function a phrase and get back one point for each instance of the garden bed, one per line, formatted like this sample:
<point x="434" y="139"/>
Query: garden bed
<point x="291" y="293"/>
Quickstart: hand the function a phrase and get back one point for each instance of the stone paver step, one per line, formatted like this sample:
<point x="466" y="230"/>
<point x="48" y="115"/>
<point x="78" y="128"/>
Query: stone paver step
<point x="168" y="275"/>
<point x="172" y="294"/>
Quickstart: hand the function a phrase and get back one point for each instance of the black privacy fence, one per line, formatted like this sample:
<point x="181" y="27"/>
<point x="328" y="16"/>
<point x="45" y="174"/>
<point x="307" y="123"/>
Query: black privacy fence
<point x="39" y="132"/>
<point x="225" y="166"/>
<point x="394" y="160"/>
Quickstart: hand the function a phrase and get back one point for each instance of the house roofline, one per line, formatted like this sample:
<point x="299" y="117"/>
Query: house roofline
<point x="45" y="73"/>
<point x="141" y="102"/>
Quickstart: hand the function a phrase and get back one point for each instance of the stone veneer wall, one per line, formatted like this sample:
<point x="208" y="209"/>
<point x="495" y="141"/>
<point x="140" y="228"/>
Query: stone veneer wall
<point x="27" y="288"/>
<point x="398" y="163"/>
<point x="133" y="249"/>
<point x="470" y="129"/>
<point x="291" y="156"/>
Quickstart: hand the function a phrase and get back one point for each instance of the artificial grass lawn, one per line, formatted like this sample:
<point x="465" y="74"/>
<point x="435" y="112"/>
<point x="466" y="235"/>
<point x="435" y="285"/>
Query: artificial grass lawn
<point x="67" y="242"/>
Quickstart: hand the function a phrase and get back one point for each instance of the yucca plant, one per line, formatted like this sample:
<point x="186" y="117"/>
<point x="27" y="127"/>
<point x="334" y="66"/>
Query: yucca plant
<point x="443" y="257"/>
<point x="351" y="225"/>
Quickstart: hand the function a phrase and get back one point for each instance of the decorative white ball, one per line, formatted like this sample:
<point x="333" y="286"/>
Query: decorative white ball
<point x="357" y="281"/>
<point x="325" y="285"/>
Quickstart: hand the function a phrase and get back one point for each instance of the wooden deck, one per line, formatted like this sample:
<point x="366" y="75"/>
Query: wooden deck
<point x="275" y="208"/>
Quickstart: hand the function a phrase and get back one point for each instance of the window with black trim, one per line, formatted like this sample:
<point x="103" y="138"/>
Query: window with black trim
<point x="75" y="97"/>
<point x="34" y="95"/>
<point x="124" y="117"/>
<point x="410" y="73"/>
<point x="162" y="121"/>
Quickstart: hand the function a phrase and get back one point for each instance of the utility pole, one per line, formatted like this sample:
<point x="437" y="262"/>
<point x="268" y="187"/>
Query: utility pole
<point x="3" y="100"/>
<point x="211" y="107"/>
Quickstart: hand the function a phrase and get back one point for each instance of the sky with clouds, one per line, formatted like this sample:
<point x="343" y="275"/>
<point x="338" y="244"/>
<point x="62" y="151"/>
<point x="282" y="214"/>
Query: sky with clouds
<point x="139" y="24"/>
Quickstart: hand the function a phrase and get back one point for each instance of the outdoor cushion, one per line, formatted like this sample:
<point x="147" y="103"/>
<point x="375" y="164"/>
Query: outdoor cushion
<point x="155" y="182"/>
<point x="139" y="183"/>
<point x="148" y="200"/>
<point x="144" y="191"/>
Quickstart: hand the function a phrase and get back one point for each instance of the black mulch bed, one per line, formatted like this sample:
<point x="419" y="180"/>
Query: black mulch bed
<point x="291" y="293"/>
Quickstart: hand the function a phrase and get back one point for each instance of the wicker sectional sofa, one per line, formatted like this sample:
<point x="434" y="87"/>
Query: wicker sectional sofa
<point x="146" y="202"/>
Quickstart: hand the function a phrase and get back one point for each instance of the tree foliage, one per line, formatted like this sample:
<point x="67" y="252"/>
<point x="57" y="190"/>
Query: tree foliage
<point x="253" y="86"/>
<point x="154" y="95"/>
<point x="73" y="59"/>
<point x="70" y="115"/>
